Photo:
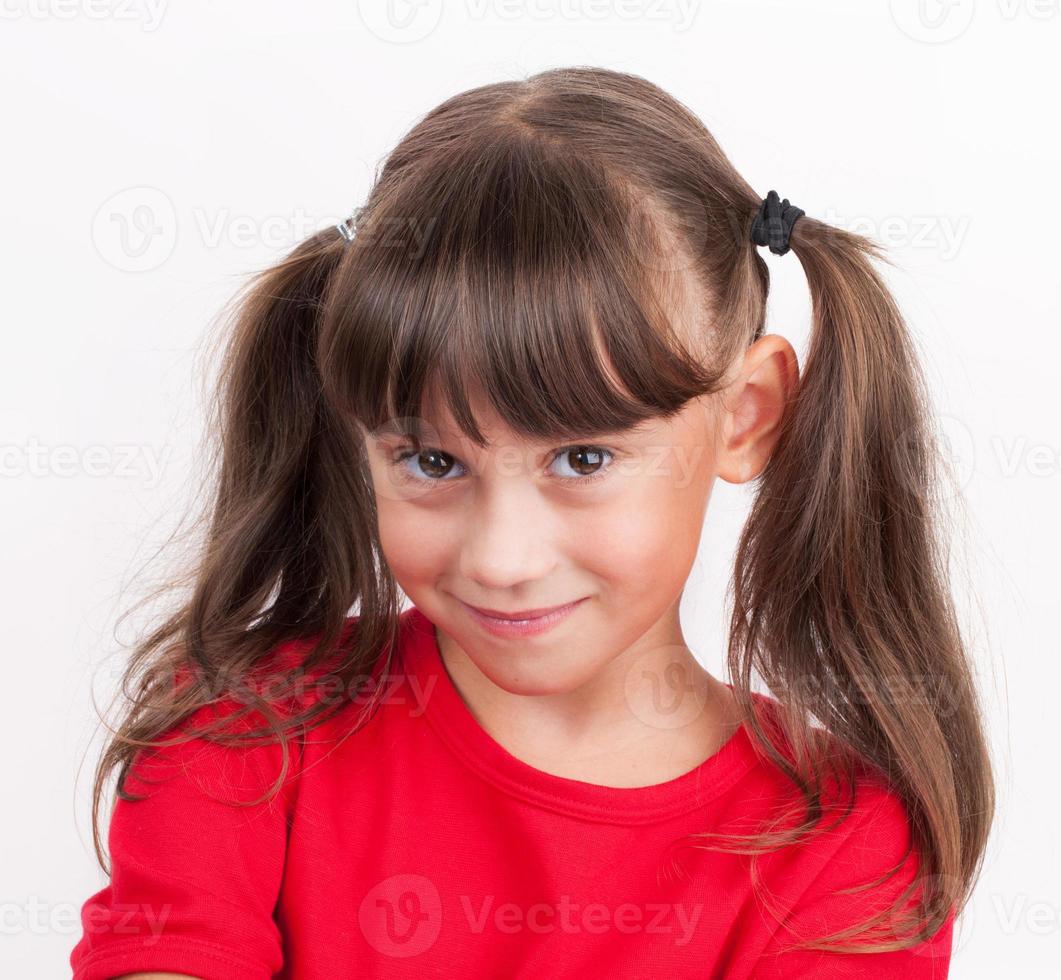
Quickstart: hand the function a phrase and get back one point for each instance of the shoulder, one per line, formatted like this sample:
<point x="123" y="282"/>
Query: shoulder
<point x="239" y="741"/>
<point x="872" y="847"/>
<point x="863" y="875"/>
<point x="861" y="861"/>
<point x="863" y="834"/>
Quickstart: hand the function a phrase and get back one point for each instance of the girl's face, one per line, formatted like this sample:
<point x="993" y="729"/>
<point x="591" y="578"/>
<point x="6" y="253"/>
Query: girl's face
<point x="611" y="522"/>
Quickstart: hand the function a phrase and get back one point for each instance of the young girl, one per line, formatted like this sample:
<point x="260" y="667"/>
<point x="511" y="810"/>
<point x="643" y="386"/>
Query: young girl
<point x="503" y="390"/>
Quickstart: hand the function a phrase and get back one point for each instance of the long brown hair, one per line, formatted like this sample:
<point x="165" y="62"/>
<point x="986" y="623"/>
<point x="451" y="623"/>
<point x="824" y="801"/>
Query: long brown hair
<point x="527" y="239"/>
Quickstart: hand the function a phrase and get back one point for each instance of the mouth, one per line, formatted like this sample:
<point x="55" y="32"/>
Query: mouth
<point x="522" y="615"/>
<point x="525" y="622"/>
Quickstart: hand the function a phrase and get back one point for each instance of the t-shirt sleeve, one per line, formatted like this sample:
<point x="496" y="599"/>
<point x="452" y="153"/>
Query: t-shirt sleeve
<point x="195" y="877"/>
<point x="876" y="841"/>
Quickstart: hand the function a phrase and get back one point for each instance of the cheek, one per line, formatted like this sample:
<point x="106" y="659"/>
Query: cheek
<point x="412" y="541"/>
<point x="409" y="534"/>
<point x="676" y="493"/>
<point x="649" y="534"/>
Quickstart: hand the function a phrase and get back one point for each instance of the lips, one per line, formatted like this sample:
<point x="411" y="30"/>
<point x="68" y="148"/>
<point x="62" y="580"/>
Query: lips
<point x="524" y="623"/>
<point x="522" y="614"/>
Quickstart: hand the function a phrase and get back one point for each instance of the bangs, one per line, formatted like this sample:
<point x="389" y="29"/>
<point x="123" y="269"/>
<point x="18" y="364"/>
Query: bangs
<point x="520" y="276"/>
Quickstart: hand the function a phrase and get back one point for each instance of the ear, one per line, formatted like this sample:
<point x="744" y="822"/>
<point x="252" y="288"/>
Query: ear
<point x="753" y="406"/>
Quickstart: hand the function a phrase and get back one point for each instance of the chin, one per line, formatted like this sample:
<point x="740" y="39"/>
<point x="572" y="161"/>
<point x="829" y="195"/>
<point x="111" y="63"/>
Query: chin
<point x="531" y="678"/>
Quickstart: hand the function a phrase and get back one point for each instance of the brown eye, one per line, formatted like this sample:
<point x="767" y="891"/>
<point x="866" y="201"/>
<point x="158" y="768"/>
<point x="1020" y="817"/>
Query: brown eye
<point x="436" y="465"/>
<point x="433" y="464"/>
<point x="585" y="462"/>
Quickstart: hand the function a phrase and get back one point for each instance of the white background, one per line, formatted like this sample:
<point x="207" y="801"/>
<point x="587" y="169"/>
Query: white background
<point x="155" y="154"/>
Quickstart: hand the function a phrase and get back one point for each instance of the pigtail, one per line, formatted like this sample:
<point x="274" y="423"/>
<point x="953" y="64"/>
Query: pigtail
<point x="293" y="540"/>
<point x="841" y="601"/>
<point x="288" y="549"/>
<point x="271" y="563"/>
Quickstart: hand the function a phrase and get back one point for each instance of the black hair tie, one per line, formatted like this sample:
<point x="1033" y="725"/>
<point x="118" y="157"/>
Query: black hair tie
<point x="773" y="223"/>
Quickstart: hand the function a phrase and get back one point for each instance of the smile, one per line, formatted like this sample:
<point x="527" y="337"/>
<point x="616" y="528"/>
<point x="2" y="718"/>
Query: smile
<point x="525" y="623"/>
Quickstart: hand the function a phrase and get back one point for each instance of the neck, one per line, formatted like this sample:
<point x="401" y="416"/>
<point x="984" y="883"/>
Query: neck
<point x="650" y="715"/>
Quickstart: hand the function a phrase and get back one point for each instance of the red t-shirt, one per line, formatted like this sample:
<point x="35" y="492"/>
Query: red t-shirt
<point x="418" y="847"/>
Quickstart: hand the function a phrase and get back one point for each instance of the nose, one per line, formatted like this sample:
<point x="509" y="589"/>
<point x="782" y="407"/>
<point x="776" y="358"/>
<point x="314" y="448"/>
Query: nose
<point x="510" y="536"/>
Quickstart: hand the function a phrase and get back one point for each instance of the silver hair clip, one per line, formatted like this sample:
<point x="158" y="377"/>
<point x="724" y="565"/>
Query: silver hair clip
<point x="348" y="226"/>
